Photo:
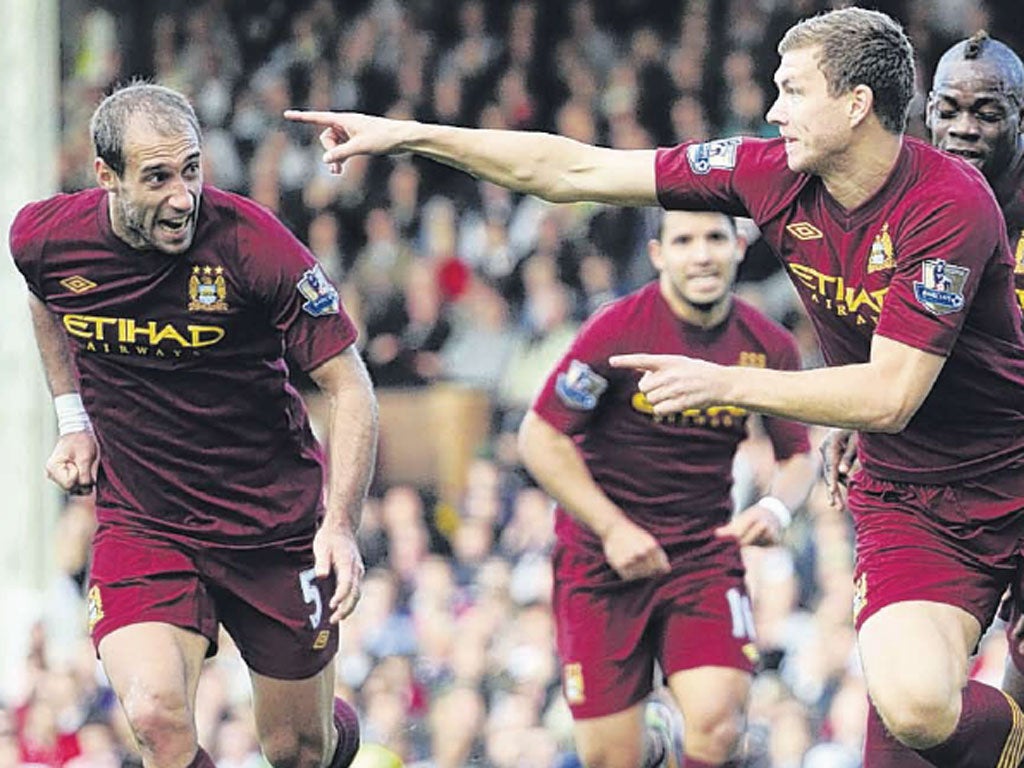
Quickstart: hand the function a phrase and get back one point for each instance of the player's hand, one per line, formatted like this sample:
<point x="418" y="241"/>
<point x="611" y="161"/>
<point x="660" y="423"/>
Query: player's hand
<point x="336" y="549"/>
<point x="73" y="463"/>
<point x="755" y="526"/>
<point x="838" y="455"/>
<point x="633" y="552"/>
<point x="674" y="383"/>
<point x="346" y="134"/>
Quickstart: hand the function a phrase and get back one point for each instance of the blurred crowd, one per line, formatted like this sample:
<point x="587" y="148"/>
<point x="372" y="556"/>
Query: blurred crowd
<point x="450" y="655"/>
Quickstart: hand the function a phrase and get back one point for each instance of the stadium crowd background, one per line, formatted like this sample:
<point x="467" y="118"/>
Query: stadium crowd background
<point x="465" y="295"/>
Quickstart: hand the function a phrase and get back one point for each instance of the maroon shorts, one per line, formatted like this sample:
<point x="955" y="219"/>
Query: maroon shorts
<point x="267" y="599"/>
<point x="610" y="632"/>
<point x="954" y="544"/>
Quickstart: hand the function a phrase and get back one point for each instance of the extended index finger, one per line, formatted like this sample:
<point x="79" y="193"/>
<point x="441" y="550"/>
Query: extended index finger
<point x="639" y="361"/>
<point x="311" y="116"/>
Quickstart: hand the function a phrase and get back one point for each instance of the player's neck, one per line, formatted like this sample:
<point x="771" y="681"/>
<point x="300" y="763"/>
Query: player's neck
<point x="863" y="169"/>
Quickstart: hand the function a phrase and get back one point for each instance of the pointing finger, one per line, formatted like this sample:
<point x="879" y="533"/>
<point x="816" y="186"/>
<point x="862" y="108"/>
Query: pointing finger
<point x="637" y="361"/>
<point x="311" y="116"/>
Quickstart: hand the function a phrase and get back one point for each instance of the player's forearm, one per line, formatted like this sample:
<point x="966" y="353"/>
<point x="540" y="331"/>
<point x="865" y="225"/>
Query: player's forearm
<point x="793" y="480"/>
<point x="351" y="439"/>
<point x="849" y="396"/>
<point x="352" y="449"/>
<point x="556" y="464"/>
<point x="53" y="349"/>
<point x="552" y="167"/>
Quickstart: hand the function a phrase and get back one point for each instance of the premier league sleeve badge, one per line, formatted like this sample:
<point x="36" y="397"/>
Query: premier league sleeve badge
<point x="580" y="387"/>
<point x="941" y="288"/>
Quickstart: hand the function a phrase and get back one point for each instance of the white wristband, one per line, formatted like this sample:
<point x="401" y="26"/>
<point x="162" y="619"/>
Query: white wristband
<point x="71" y="415"/>
<point x="780" y="510"/>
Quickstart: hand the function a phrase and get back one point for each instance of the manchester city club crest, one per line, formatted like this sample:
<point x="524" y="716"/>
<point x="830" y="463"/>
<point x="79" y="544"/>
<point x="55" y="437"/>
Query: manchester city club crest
<point x="941" y="289"/>
<point x="207" y="289"/>
<point x="881" y="256"/>
<point x="580" y="387"/>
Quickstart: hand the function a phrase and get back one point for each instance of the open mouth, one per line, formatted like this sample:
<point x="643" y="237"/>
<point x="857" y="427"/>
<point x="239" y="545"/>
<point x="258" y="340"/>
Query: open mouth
<point x="970" y="155"/>
<point x="176" y="226"/>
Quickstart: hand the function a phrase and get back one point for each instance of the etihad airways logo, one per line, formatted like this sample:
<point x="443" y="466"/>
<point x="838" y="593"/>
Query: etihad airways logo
<point x="130" y="336"/>
<point x="716" y="416"/>
<point x="834" y="294"/>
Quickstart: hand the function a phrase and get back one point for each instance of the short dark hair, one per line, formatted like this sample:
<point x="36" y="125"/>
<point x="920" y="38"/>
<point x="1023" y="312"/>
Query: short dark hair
<point x="861" y="47"/>
<point x="164" y="108"/>
<point x="730" y="220"/>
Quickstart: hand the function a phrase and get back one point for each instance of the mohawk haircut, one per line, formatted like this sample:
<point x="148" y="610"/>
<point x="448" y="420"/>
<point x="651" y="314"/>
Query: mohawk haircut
<point x="975" y="43"/>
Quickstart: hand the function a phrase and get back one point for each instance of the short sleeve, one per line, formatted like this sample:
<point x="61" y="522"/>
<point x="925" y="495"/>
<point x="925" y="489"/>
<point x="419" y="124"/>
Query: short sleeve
<point x="302" y="302"/>
<point x="740" y="176"/>
<point x="940" y="261"/>
<point x="573" y="392"/>
<point x="26" y="242"/>
<point x="788" y="438"/>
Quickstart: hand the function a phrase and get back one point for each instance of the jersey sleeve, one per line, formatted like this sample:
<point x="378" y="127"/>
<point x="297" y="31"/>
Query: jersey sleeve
<point x="301" y="301"/>
<point x="572" y="394"/>
<point x="740" y="176"/>
<point x="788" y="438"/>
<point x="26" y="240"/>
<point x="940" y="260"/>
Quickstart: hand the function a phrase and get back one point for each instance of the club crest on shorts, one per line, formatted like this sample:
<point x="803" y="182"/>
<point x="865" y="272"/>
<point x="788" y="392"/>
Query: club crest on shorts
<point x="719" y="154"/>
<point x="580" y="387"/>
<point x="941" y="289"/>
<point x="207" y="289"/>
<point x="320" y="294"/>
<point x="860" y="594"/>
<point x="572" y="679"/>
<point x="94" y="606"/>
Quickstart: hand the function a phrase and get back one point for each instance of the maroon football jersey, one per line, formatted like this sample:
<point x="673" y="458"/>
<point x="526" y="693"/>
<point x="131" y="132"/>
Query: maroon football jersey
<point x="1010" y="193"/>
<point x="923" y="262"/>
<point x="672" y="475"/>
<point x="182" y="363"/>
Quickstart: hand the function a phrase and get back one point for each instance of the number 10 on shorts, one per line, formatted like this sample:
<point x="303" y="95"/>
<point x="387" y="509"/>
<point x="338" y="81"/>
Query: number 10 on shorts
<point x="742" y="615"/>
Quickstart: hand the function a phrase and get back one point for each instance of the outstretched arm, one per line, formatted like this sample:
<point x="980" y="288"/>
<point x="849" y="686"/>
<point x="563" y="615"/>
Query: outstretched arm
<point x="846" y="396"/>
<point x="352" y="446"/>
<point x="553" y="167"/>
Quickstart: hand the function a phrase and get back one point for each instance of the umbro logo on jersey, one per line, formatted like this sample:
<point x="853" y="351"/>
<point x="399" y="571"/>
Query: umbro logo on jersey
<point x="78" y="284"/>
<point x="803" y="230"/>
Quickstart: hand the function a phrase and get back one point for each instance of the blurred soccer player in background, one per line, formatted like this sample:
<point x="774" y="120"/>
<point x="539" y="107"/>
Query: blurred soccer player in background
<point x="647" y="562"/>
<point x="930" y="371"/>
<point x="168" y="310"/>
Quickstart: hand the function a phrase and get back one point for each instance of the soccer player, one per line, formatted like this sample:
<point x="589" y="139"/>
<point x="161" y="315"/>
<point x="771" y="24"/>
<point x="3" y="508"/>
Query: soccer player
<point x="976" y="111"/>
<point x="931" y="374"/>
<point x="647" y="562"/>
<point x="173" y="313"/>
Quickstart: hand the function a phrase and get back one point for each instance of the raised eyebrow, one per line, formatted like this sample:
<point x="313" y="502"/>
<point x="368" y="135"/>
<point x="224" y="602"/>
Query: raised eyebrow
<point x="163" y="166"/>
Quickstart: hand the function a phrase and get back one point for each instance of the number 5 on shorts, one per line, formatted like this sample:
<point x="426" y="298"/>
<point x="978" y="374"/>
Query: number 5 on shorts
<point x="311" y="594"/>
<point x="742" y="615"/>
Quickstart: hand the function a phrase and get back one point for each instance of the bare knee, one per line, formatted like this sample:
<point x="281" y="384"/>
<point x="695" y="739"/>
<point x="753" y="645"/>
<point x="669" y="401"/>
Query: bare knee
<point x="164" y="726"/>
<point x="919" y="719"/>
<point x="714" y="736"/>
<point x="602" y="754"/>
<point x="287" y="748"/>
